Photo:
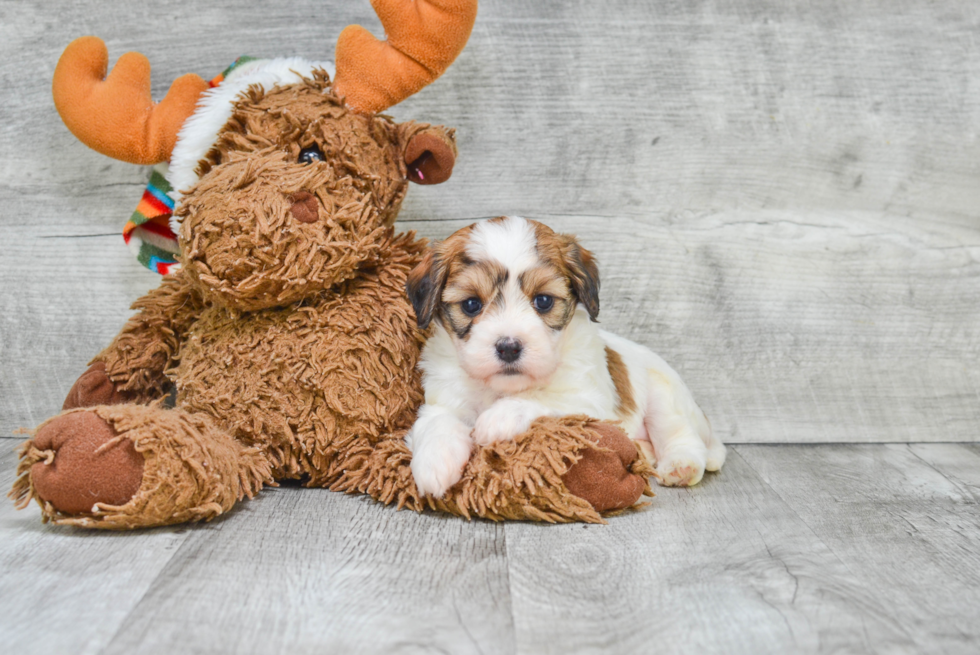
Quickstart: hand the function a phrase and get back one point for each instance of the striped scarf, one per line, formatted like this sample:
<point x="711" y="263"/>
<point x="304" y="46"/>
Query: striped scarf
<point x="148" y="232"/>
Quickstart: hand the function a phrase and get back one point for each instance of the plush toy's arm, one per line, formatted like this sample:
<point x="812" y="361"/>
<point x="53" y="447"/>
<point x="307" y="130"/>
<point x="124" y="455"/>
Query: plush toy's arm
<point x="132" y="367"/>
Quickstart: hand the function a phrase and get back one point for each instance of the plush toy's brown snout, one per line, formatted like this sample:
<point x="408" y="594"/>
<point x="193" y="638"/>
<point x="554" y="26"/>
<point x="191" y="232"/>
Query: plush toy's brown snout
<point x="305" y="208"/>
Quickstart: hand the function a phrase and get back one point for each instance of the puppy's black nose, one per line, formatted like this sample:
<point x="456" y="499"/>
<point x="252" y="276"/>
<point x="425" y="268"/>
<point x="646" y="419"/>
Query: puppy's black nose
<point x="508" y="350"/>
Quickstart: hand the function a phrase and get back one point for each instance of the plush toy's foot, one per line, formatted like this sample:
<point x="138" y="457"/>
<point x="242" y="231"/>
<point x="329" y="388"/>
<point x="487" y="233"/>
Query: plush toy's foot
<point x="130" y="466"/>
<point x="93" y="387"/>
<point x="84" y="463"/>
<point x="611" y="476"/>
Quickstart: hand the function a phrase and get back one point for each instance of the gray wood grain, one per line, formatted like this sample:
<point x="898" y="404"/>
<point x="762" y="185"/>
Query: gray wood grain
<point x="959" y="467"/>
<point x="904" y="519"/>
<point x="803" y="549"/>
<point x="67" y="590"/>
<point x="782" y="195"/>
<point x="724" y="567"/>
<point x="311" y="571"/>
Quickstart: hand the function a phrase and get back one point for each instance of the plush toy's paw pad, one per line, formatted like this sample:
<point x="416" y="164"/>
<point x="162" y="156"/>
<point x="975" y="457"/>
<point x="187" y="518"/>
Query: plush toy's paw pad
<point x="680" y="468"/>
<point x="602" y="477"/>
<point x="86" y="464"/>
<point x="93" y="387"/>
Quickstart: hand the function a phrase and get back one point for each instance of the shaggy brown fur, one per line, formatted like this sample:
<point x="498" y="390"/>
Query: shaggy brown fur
<point x="148" y="344"/>
<point x="192" y="470"/>
<point x="292" y="346"/>
<point x="310" y="380"/>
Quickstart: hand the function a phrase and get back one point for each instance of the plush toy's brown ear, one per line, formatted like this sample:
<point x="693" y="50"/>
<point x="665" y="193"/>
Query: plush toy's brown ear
<point x="424" y="287"/>
<point x="430" y="155"/>
<point x="583" y="274"/>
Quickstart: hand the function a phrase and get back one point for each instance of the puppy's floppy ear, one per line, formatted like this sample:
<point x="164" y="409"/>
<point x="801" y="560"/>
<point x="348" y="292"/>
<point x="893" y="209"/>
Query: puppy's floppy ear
<point x="583" y="274"/>
<point x="424" y="287"/>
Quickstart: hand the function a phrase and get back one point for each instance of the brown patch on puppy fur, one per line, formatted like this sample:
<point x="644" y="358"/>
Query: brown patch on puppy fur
<point x="573" y="261"/>
<point x="426" y="281"/>
<point x="436" y="285"/>
<point x="549" y="280"/>
<point x="422" y="288"/>
<point x="468" y="279"/>
<point x="621" y="379"/>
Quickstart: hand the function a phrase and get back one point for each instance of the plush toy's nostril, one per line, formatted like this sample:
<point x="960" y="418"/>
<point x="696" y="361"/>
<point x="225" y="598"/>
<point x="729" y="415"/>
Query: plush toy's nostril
<point x="304" y="207"/>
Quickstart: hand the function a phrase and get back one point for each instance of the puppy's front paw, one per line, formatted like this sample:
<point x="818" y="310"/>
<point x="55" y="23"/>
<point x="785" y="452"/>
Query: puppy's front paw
<point x="438" y="460"/>
<point x="504" y="420"/>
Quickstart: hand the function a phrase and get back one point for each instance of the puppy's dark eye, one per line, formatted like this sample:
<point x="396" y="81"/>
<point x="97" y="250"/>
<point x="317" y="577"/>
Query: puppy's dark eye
<point x="471" y="306"/>
<point x="543" y="303"/>
<point x="310" y="155"/>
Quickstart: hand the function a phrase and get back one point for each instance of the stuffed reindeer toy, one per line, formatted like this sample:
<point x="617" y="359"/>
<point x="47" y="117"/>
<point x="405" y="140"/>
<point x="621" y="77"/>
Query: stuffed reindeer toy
<point x="284" y="346"/>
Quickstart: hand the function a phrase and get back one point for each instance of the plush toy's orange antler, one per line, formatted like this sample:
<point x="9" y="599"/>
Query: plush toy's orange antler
<point x="115" y="115"/>
<point x="423" y="38"/>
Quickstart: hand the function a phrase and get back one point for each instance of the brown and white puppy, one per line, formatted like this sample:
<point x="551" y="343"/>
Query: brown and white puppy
<point x="512" y="307"/>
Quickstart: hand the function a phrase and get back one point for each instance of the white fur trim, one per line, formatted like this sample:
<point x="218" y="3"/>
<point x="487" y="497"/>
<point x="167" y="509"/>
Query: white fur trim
<point x="200" y="131"/>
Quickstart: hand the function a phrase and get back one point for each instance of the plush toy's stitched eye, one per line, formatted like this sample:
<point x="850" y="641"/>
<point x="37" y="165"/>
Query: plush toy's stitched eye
<point x="543" y="303"/>
<point x="310" y="155"/>
<point x="471" y="306"/>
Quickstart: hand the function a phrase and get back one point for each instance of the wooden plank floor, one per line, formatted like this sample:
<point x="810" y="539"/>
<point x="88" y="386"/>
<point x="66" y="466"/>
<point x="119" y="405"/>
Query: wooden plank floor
<point x="792" y="548"/>
<point x="783" y="201"/>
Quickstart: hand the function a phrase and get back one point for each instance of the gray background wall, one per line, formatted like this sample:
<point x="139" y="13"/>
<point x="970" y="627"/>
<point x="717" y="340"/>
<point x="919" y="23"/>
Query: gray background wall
<point x="784" y="196"/>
